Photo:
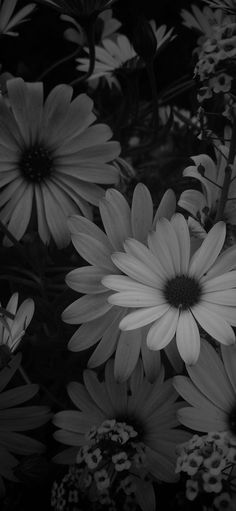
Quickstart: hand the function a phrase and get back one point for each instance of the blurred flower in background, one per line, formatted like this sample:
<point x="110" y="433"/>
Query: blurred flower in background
<point x="8" y="20"/>
<point x="14" y="324"/>
<point x="106" y="26"/>
<point x="51" y="158"/>
<point x="15" y="419"/>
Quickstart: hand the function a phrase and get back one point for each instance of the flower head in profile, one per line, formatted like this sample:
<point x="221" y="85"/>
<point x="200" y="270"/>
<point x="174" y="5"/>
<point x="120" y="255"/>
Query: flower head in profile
<point x="173" y="292"/>
<point x="51" y="158"/>
<point x="101" y="319"/>
<point x="8" y="20"/>
<point x="15" y="419"/>
<point x="210" y="391"/>
<point x="14" y="324"/>
<point x="203" y="205"/>
<point x="106" y="26"/>
<point x="110" y="57"/>
<point x="204" y="20"/>
<point x="121" y="429"/>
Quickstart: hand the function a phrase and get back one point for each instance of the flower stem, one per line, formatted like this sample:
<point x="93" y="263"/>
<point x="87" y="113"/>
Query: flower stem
<point x="24" y="375"/>
<point x="90" y="31"/>
<point x="153" y="84"/>
<point x="59" y="62"/>
<point x="227" y="178"/>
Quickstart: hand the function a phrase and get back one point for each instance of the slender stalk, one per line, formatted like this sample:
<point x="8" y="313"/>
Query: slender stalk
<point x="153" y="84"/>
<point x="59" y="62"/>
<point x="227" y="179"/>
<point x="24" y="375"/>
<point x="90" y="31"/>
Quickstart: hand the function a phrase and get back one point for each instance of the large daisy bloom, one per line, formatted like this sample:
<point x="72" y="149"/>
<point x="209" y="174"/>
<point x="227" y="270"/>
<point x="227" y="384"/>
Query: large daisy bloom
<point x="148" y="409"/>
<point x="210" y="391"/>
<point x="203" y="205"/>
<point x="51" y="158"/>
<point x="15" y="322"/>
<point x="175" y="293"/>
<point x="15" y="419"/>
<point x="99" y="317"/>
<point x="8" y="20"/>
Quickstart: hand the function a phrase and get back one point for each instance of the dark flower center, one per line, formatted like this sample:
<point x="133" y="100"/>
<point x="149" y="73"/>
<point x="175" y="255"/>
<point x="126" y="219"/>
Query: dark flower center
<point x="232" y="420"/>
<point x="36" y="163"/>
<point x="182" y="292"/>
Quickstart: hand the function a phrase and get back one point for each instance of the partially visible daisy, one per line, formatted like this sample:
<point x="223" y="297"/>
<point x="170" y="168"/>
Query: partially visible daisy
<point x="16" y="418"/>
<point x="138" y="414"/>
<point x="203" y="205"/>
<point x="106" y="24"/>
<point x="13" y="329"/>
<point x="173" y="292"/>
<point x="110" y="56"/>
<point x="227" y="6"/>
<point x="210" y="391"/>
<point x="51" y="158"/>
<point x="204" y="20"/>
<point x="100" y="319"/>
<point x="8" y="20"/>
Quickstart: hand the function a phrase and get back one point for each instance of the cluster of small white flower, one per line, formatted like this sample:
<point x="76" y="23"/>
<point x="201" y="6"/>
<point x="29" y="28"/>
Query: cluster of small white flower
<point x="210" y="461"/>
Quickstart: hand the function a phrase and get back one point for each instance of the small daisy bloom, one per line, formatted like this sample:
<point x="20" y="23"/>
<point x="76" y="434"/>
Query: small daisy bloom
<point x="147" y="410"/>
<point x="51" y="158"/>
<point x="8" y="21"/>
<point x="111" y="56"/>
<point x="15" y="419"/>
<point x="174" y="292"/>
<point x="203" y="205"/>
<point x="12" y="329"/>
<point x="210" y="391"/>
<point x="99" y="317"/>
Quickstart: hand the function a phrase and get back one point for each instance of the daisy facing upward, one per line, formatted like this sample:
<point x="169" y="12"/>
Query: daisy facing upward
<point x="51" y="158"/>
<point x="175" y="293"/>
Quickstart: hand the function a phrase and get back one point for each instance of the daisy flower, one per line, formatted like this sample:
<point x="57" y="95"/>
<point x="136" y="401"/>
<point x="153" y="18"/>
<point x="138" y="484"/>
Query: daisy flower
<point x="51" y="158"/>
<point x="8" y="21"/>
<point x="203" y="205"/>
<point x="137" y="410"/>
<point x="174" y="292"/>
<point x="100" y="319"/>
<point x="13" y="329"/>
<point x="110" y="57"/>
<point x="15" y="419"/>
<point x="210" y="391"/>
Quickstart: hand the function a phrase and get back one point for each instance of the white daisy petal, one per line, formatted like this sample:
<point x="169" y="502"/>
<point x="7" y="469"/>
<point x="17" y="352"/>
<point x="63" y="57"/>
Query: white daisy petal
<point x="188" y="338"/>
<point x="209" y="250"/>
<point x="216" y="326"/>
<point x="127" y="354"/>
<point x="141" y="213"/>
<point x="163" y="330"/>
<point x="143" y="317"/>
